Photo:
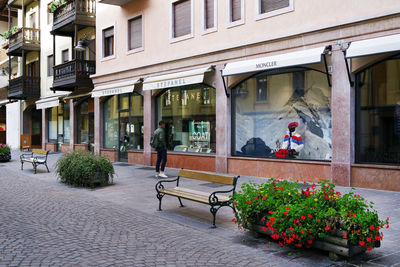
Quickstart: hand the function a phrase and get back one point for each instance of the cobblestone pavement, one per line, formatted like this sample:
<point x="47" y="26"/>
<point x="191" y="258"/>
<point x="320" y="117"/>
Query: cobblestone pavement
<point x="45" y="223"/>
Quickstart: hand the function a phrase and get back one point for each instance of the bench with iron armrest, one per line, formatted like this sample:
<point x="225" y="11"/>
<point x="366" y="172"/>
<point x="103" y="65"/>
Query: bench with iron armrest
<point x="36" y="157"/>
<point x="216" y="200"/>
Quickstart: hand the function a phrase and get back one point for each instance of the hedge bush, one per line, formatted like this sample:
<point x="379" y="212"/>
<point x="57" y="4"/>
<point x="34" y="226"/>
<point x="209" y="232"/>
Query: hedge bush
<point x="83" y="169"/>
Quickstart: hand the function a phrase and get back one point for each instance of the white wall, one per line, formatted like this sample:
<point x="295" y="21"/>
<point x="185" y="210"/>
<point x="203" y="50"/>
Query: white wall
<point x="14" y="119"/>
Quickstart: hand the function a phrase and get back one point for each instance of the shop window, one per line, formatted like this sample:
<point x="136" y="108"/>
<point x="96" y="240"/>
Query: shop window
<point x="378" y="113"/>
<point x="190" y="124"/>
<point x="83" y="123"/>
<point x="108" y="42"/>
<point x="260" y="117"/>
<point x="59" y="125"/>
<point x="135" y="33"/>
<point x="123" y="123"/>
<point x="181" y="18"/>
<point x="53" y="128"/>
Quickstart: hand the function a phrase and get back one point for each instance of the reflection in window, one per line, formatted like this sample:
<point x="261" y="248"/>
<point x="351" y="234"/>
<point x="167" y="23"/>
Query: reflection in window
<point x="262" y="130"/>
<point x="190" y="124"/>
<point x="378" y="113"/>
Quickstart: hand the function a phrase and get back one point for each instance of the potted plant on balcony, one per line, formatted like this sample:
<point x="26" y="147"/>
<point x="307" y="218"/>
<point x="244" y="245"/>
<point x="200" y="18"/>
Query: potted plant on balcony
<point x="5" y="153"/>
<point x="309" y="216"/>
<point x="6" y="35"/>
<point x="56" y="4"/>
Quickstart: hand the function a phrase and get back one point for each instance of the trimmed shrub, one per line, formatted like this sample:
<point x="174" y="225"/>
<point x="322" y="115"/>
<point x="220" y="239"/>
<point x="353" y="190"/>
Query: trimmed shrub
<point x="83" y="169"/>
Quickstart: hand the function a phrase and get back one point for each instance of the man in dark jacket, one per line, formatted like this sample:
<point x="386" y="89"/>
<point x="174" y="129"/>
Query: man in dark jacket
<point x="161" y="148"/>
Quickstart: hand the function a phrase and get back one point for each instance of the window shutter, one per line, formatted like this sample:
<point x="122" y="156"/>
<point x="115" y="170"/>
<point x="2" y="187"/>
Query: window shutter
<point x="108" y="32"/>
<point x="271" y="5"/>
<point x="135" y="33"/>
<point x="50" y="65"/>
<point x="236" y="9"/>
<point x="182" y="18"/>
<point x="209" y="13"/>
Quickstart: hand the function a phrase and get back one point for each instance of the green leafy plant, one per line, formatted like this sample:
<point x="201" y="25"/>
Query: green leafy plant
<point x="297" y="214"/>
<point x="56" y="4"/>
<point x="10" y="32"/>
<point x="4" y="150"/>
<point x="83" y="169"/>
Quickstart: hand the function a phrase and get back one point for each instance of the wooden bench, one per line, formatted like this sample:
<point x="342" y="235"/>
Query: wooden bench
<point x="36" y="157"/>
<point x="216" y="200"/>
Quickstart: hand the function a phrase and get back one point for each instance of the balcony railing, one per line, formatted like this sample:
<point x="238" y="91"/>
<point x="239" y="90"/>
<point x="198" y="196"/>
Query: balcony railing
<point x="77" y="11"/>
<point x="74" y="73"/>
<point x="24" y="87"/>
<point x="26" y="39"/>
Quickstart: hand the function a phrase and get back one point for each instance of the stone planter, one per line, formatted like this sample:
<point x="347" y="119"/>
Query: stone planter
<point x="334" y="243"/>
<point x="5" y="157"/>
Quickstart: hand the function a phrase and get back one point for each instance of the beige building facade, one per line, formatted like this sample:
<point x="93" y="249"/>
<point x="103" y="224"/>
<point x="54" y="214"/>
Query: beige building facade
<point x="228" y="77"/>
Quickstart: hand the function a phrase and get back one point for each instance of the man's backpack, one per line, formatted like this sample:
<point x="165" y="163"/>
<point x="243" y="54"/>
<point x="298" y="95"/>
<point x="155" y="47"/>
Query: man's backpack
<point x="154" y="141"/>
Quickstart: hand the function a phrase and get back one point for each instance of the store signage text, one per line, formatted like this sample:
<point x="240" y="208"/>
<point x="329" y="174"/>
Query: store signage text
<point x="114" y="91"/>
<point x="265" y="65"/>
<point x="171" y="83"/>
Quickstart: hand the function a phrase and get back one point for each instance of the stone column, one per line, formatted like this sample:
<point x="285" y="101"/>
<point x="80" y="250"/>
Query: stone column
<point x="71" y="124"/>
<point x="149" y="124"/>
<point x="342" y="120"/>
<point x="97" y="126"/>
<point x="223" y="123"/>
<point x="45" y="128"/>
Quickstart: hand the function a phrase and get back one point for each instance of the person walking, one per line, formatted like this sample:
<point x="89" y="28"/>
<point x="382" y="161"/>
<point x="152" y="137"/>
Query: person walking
<point x="161" y="148"/>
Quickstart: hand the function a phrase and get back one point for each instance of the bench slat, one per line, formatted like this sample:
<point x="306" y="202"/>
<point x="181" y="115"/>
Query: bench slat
<point x="215" y="178"/>
<point x="39" y="151"/>
<point x="190" y="194"/>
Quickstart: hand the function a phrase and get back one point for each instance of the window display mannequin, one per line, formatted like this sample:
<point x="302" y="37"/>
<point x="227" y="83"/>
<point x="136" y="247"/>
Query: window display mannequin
<point x="292" y="144"/>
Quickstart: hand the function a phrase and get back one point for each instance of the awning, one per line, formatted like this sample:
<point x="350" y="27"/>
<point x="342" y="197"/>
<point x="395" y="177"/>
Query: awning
<point x="49" y="102"/>
<point x="176" y="79"/>
<point x="303" y="57"/>
<point x="115" y="88"/>
<point x="374" y="46"/>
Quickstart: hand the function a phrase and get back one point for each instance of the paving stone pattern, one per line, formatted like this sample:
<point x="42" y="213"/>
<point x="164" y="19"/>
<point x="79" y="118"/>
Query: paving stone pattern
<point x="45" y="223"/>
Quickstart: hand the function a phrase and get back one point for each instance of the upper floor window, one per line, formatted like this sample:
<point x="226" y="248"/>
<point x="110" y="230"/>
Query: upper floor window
<point x="210" y="14"/>
<point x="181" y="18"/>
<point x="135" y="33"/>
<point x="108" y="42"/>
<point x="65" y="56"/>
<point x="268" y="8"/>
<point x="50" y="64"/>
<point x="236" y="11"/>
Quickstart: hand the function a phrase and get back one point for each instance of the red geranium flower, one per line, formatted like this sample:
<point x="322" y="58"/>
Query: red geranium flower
<point x="280" y="244"/>
<point x="285" y="212"/>
<point x="270" y="212"/>
<point x="370" y="248"/>
<point x="327" y="228"/>
<point x="303" y="217"/>
<point x="306" y="207"/>
<point x="345" y="236"/>
<point x="309" y="216"/>
<point x="288" y="208"/>
<point x="264" y="198"/>
<point x="369" y="239"/>
<point x="264" y="229"/>
<point x="309" y="242"/>
<point x="371" y="227"/>
<point x="248" y="202"/>
<point x="256" y="198"/>
<point x="362" y="243"/>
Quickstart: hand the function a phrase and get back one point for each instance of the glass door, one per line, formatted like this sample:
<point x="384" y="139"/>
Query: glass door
<point x="91" y="131"/>
<point x="124" y="135"/>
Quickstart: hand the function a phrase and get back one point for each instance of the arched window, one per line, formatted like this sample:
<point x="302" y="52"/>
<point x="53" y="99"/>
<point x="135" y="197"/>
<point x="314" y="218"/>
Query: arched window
<point x="264" y="105"/>
<point x="189" y="113"/>
<point x="378" y="113"/>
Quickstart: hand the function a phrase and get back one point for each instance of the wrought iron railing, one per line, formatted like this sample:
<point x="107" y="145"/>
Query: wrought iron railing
<point x="25" y="86"/>
<point x="25" y="36"/>
<point x="75" y="7"/>
<point x="78" y="68"/>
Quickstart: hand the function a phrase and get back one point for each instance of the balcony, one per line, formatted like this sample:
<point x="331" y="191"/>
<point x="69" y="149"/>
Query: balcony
<point x="27" y="39"/>
<point x="115" y="2"/>
<point x="70" y="75"/>
<point x="81" y="13"/>
<point x="18" y="3"/>
<point x="24" y="87"/>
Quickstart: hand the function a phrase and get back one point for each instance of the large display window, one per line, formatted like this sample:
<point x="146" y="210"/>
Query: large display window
<point x="123" y="123"/>
<point x="189" y="113"/>
<point x="85" y="122"/>
<point x="59" y="125"/>
<point x="283" y="114"/>
<point x="378" y="113"/>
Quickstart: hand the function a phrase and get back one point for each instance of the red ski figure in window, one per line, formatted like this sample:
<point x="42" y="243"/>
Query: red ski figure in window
<point x="292" y="144"/>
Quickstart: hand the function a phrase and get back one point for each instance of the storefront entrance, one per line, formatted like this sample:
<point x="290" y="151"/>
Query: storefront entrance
<point x="59" y="128"/>
<point x="124" y="135"/>
<point x="85" y="118"/>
